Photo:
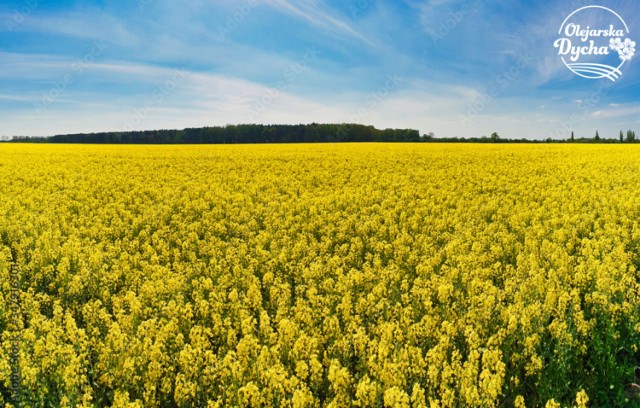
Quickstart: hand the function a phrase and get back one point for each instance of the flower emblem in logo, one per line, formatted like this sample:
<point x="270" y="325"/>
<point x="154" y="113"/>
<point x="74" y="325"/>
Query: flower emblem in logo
<point x="616" y="44"/>
<point x="626" y="49"/>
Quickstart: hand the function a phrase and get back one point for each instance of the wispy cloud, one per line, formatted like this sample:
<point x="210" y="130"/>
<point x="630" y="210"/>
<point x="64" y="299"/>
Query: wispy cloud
<point x="313" y="13"/>
<point x="90" y="24"/>
<point x="19" y="98"/>
<point x="617" y="111"/>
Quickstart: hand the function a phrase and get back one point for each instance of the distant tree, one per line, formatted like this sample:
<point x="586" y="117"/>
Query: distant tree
<point x="621" y="136"/>
<point x="573" y="139"/>
<point x="494" y="137"/>
<point x="597" y="138"/>
<point x="631" y="136"/>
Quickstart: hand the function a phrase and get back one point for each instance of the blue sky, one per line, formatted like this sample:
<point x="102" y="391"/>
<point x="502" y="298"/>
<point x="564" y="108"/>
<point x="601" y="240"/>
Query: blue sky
<point x="452" y="67"/>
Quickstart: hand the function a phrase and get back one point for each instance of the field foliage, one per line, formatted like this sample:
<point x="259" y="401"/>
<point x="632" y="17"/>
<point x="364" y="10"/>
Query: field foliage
<point x="322" y="275"/>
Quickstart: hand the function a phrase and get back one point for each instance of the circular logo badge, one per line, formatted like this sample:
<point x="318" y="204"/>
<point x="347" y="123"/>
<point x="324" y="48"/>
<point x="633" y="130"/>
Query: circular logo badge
<point x="594" y="42"/>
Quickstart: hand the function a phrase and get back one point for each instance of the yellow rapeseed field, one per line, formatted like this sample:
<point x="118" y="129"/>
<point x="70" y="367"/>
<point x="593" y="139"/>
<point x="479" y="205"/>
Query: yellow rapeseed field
<point x="363" y="275"/>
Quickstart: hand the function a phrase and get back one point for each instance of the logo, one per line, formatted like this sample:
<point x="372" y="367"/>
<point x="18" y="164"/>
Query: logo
<point x="595" y="43"/>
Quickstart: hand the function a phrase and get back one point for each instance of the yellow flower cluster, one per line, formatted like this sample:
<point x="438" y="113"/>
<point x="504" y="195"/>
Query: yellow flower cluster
<point x="369" y="275"/>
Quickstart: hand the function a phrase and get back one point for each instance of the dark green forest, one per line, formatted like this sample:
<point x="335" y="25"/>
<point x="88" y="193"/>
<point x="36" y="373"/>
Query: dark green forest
<point x="234" y="134"/>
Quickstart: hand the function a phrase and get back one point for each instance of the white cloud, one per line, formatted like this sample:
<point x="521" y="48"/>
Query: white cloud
<point x="85" y="25"/>
<point x="205" y="99"/>
<point x="18" y="98"/>
<point x="617" y="111"/>
<point x="310" y="11"/>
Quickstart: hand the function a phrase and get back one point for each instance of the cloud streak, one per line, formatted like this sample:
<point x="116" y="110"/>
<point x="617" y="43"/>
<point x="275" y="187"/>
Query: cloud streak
<point x="310" y="11"/>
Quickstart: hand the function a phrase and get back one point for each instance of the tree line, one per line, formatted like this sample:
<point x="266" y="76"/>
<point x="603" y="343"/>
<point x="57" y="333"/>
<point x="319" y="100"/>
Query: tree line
<point x="629" y="137"/>
<point x="310" y="133"/>
<point x="235" y="134"/>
